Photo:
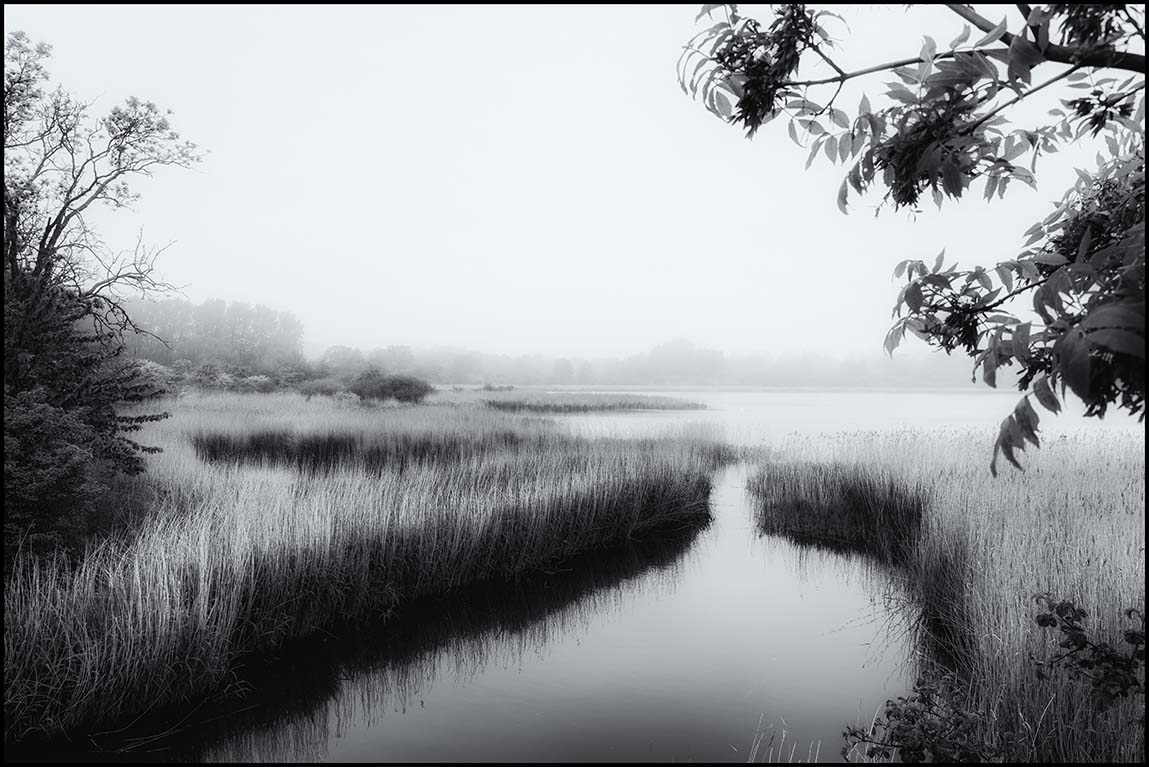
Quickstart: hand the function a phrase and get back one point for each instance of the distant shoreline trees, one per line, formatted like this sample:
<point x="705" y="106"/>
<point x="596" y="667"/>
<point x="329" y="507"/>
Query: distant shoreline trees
<point x="238" y="337"/>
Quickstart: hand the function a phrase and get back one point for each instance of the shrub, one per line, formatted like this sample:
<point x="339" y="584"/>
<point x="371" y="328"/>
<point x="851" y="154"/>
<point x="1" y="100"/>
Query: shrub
<point x="261" y="384"/>
<point x="326" y="387"/>
<point x="926" y="725"/>
<point x="210" y="375"/>
<point x="372" y="384"/>
<point x="1112" y="675"/>
<point x="163" y="381"/>
<point x="51" y="476"/>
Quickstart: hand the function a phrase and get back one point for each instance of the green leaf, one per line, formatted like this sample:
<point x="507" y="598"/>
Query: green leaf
<point x="831" y="147"/>
<point x="989" y="369"/>
<point x="894" y="337"/>
<point x="938" y="262"/>
<point x="813" y="127"/>
<point x="839" y="118"/>
<point x="1009" y="439"/>
<point x="1117" y="340"/>
<point x="1073" y="362"/>
<point x="813" y="153"/>
<point x="1083" y="246"/>
<point x="842" y="192"/>
<point x="993" y="36"/>
<point x="960" y="38"/>
<point x="1023" y="57"/>
<point x="1050" y="259"/>
<point x="914" y="297"/>
<point x="1027" y="420"/>
<point x="794" y="134"/>
<point x="901" y="93"/>
<point x="855" y="178"/>
<point x="707" y="10"/>
<point x="1130" y="316"/>
<point x="1045" y="395"/>
<point x="927" y="53"/>
<point x="725" y="109"/>
<point x="990" y="187"/>
<point x="864" y="106"/>
<point x="952" y="179"/>
<point x="1021" y="341"/>
<point x="1006" y="276"/>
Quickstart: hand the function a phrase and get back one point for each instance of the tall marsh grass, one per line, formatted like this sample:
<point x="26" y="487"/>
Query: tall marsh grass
<point x="242" y="554"/>
<point x="1073" y="524"/>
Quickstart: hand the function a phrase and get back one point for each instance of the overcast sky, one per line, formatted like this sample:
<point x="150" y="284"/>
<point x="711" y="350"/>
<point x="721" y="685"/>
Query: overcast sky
<point x="509" y="179"/>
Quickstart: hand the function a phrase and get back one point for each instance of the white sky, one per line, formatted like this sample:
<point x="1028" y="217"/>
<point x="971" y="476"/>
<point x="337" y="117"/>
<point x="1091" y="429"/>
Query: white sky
<point x="524" y="179"/>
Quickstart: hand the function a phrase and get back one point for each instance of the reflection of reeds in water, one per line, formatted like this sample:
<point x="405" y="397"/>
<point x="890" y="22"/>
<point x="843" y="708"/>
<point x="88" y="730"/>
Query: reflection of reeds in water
<point x="304" y="699"/>
<point x="242" y="557"/>
<point x="1073" y="523"/>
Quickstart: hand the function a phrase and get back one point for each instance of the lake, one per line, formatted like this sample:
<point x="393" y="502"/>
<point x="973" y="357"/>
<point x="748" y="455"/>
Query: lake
<point x="706" y="647"/>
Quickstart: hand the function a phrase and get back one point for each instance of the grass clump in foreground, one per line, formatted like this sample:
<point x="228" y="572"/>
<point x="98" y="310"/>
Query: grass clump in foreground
<point x="1072" y="524"/>
<point x="240" y="557"/>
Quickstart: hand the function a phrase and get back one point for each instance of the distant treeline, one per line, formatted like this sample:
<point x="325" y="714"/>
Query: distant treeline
<point x="244" y="340"/>
<point x="235" y="335"/>
<point x="676" y="363"/>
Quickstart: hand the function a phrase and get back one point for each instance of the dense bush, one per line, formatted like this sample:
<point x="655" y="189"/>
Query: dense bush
<point x="51" y="476"/>
<point x="164" y="380"/>
<point x="261" y="384"/>
<point x="211" y="376"/>
<point x="372" y="384"/>
<point x="326" y="387"/>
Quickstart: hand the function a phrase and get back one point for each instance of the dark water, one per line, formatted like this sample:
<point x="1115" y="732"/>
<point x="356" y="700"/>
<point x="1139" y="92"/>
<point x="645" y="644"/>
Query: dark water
<point x="679" y="650"/>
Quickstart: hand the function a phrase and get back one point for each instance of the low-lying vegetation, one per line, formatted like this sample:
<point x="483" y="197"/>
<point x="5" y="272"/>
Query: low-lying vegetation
<point x="839" y="507"/>
<point x="973" y="551"/>
<point x="240" y="556"/>
<point x="546" y="402"/>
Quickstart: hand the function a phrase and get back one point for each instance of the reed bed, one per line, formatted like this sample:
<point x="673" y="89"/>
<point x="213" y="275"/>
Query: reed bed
<point x="566" y="402"/>
<point x="1073" y="524"/>
<point x="242" y="555"/>
<point x="839" y="507"/>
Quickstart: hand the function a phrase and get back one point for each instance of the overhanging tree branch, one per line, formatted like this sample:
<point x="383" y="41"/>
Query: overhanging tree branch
<point x="1085" y="57"/>
<point x="1002" y="107"/>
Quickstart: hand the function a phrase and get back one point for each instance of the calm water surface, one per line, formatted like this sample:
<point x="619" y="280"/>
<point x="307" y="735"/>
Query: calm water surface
<point x="676" y="650"/>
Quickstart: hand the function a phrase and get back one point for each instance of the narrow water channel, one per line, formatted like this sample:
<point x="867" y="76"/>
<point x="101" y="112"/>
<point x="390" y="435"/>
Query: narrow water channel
<point x="669" y="650"/>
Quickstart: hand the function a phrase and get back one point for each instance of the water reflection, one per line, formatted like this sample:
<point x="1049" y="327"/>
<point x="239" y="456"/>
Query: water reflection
<point x="669" y="651"/>
<point x="362" y="676"/>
